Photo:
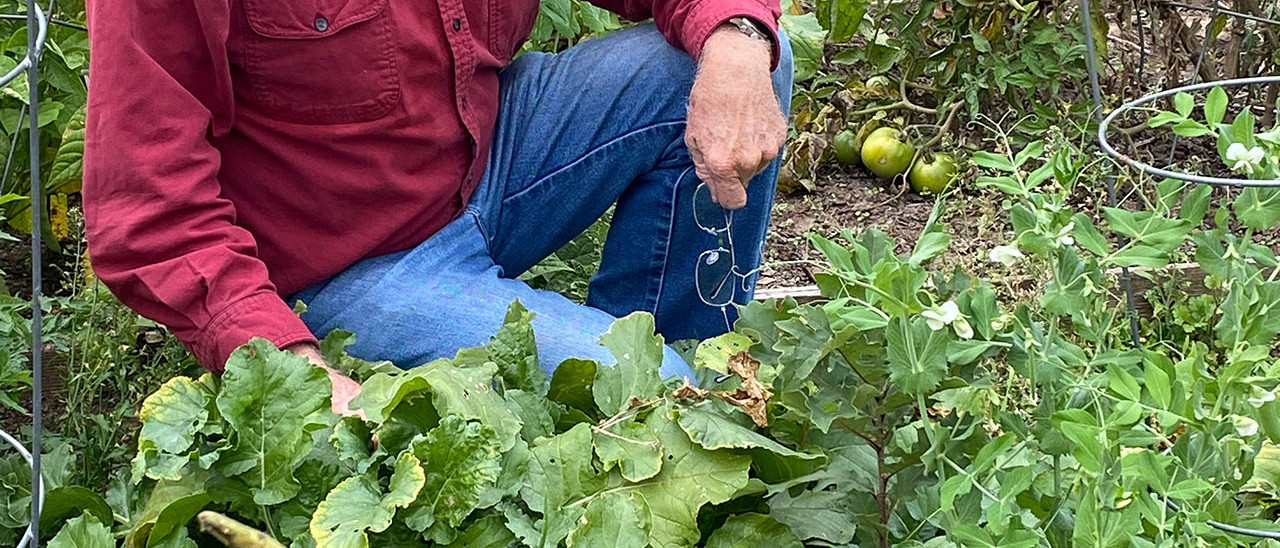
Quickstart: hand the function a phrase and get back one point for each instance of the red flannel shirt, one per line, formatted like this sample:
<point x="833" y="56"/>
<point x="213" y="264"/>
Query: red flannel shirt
<point x="240" y="150"/>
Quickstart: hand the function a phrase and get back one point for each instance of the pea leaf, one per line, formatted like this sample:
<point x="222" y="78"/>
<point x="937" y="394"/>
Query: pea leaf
<point x="269" y="398"/>
<point x="1191" y="129"/>
<point x="461" y="462"/>
<point x="639" y="353"/>
<point x="1215" y="106"/>
<point x="1157" y="382"/>
<point x="929" y="246"/>
<point x="993" y="161"/>
<point x="358" y="506"/>
<point x="753" y="530"/>
<point x="1184" y="103"/>
<point x="917" y="355"/>
<point x="1258" y="208"/>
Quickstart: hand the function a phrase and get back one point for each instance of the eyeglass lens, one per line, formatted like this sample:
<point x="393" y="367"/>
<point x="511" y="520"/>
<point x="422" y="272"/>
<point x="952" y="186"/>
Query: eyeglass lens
<point x="707" y="213"/>
<point x="713" y="277"/>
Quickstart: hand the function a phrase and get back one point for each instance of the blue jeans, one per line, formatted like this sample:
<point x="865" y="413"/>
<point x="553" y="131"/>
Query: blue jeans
<point x="577" y="131"/>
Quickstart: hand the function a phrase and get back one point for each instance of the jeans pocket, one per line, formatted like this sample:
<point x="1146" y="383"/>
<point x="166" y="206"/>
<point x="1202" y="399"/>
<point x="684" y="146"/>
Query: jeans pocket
<point x="320" y="61"/>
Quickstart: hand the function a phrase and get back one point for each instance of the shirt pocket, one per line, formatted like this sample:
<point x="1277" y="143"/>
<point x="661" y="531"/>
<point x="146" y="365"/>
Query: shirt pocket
<point x="320" y="61"/>
<point x="509" y="26"/>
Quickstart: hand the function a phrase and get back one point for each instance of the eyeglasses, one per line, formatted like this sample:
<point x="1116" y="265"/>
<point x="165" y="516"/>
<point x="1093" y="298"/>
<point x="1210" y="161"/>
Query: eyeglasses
<point x="716" y="276"/>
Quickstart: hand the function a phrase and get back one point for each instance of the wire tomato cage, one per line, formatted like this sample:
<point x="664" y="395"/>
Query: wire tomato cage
<point x="1104" y="125"/>
<point x="37" y="31"/>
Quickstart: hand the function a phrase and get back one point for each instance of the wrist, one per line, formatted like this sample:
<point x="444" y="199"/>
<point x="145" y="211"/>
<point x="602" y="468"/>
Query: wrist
<point x="311" y="351"/>
<point x="727" y="44"/>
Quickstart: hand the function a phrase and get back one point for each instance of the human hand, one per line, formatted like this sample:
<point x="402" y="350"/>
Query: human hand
<point x="735" y="125"/>
<point x="344" y="388"/>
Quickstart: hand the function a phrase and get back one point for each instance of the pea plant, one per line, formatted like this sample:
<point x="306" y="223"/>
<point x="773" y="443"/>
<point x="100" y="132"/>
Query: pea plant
<point x="1172" y="420"/>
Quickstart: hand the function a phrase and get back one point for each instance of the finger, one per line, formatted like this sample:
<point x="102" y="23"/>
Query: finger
<point x="750" y="165"/>
<point x="711" y="181"/>
<point x="722" y="173"/>
<point x="730" y="192"/>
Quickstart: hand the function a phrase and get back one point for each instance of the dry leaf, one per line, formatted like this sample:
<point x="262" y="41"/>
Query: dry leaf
<point x="689" y="392"/>
<point x="752" y="397"/>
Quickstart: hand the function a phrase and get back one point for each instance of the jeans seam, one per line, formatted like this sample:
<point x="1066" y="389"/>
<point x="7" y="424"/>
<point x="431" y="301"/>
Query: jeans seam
<point x="666" y="253"/>
<point x="589" y="154"/>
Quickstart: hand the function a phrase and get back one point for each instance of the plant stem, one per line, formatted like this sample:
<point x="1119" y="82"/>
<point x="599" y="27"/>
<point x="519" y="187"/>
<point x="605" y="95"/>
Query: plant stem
<point x="620" y="437"/>
<point x="621" y="416"/>
<point x="882" y="498"/>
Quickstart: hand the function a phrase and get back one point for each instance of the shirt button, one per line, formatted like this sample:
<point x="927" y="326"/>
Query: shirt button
<point x="457" y="23"/>
<point x="322" y="24"/>
<point x="464" y="103"/>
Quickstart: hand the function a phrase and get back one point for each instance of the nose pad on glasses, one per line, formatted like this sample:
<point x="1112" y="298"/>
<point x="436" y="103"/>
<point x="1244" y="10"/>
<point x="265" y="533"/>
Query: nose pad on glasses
<point x="713" y="277"/>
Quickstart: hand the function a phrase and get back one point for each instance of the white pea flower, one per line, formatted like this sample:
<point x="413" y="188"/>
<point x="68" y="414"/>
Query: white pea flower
<point x="1005" y="255"/>
<point x="1260" y="397"/>
<point x="1064" y="236"/>
<point x="1245" y="426"/>
<point x="963" y="330"/>
<point x="1244" y="160"/>
<point x="939" y="317"/>
<point x="999" y="323"/>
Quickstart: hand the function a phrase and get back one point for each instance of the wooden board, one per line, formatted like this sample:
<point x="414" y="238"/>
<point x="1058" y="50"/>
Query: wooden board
<point x="1143" y="279"/>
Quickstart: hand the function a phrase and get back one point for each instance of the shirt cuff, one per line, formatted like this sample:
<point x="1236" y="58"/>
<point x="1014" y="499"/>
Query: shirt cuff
<point x="698" y="29"/>
<point x="259" y="315"/>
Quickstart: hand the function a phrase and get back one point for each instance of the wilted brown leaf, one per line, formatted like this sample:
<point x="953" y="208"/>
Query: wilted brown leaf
<point x="689" y="392"/>
<point x="753" y="396"/>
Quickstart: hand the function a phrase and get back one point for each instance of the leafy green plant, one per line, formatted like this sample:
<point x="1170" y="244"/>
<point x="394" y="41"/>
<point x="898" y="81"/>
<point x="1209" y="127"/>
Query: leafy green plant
<point x="1129" y="429"/>
<point x="63" y="93"/>
<point x="563" y="23"/>
<point x="481" y="449"/>
<point x="1241" y="145"/>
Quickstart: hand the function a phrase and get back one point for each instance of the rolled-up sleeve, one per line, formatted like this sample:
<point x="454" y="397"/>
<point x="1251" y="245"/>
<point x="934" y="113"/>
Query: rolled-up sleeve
<point x="687" y="23"/>
<point x="161" y="235"/>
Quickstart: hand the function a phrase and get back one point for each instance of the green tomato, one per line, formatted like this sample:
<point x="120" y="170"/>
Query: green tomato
<point x="933" y="177"/>
<point x="886" y="154"/>
<point x="846" y="147"/>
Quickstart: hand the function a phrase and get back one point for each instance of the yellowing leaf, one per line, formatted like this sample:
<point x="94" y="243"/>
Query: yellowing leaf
<point x="357" y="506"/>
<point x="461" y="459"/>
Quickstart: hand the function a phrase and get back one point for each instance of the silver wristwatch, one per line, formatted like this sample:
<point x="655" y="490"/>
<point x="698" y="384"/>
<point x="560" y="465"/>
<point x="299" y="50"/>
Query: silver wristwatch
<point x="753" y="29"/>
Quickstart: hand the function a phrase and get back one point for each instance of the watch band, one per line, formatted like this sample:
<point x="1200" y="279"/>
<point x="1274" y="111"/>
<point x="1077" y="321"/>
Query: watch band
<point x="753" y="29"/>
